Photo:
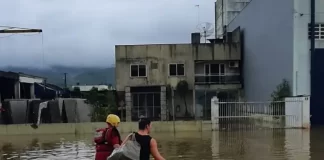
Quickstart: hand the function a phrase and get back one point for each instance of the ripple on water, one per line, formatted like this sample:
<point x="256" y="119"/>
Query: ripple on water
<point x="240" y="145"/>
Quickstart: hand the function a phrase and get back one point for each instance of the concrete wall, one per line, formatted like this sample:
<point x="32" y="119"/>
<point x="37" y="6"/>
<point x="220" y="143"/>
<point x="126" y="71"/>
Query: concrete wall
<point x="302" y="44"/>
<point x="84" y="128"/>
<point x="268" y="46"/>
<point x="162" y="55"/>
<point x="77" y="111"/>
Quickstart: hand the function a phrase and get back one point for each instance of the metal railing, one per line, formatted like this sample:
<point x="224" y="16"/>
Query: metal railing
<point x="271" y="114"/>
<point x="233" y="78"/>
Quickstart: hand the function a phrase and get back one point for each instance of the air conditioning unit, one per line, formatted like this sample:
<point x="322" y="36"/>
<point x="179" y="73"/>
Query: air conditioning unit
<point x="233" y="64"/>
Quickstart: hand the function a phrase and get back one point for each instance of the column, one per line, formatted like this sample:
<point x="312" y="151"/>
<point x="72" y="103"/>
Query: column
<point x="128" y="100"/>
<point x="163" y="104"/>
<point x="194" y="103"/>
<point x="32" y="91"/>
<point x="17" y="90"/>
<point x="215" y="113"/>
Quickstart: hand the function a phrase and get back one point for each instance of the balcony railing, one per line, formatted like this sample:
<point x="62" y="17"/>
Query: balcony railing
<point x="233" y="78"/>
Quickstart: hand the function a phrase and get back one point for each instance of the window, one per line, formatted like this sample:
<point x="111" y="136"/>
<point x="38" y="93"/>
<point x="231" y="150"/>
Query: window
<point x="176" y="70"/>
<point x="319" y="31"/>
<point x="138" y="70"/>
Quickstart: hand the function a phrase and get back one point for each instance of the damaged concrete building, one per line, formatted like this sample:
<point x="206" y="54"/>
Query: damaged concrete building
<point x="145" y="72"/>
<point x="18" y="85"/>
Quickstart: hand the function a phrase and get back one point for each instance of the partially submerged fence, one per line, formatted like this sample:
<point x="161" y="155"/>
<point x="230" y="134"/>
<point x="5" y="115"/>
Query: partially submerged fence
<point x="291" y="113"/>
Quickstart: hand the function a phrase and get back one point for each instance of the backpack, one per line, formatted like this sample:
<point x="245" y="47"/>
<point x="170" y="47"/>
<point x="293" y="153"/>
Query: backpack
<point x="128" y="151"/>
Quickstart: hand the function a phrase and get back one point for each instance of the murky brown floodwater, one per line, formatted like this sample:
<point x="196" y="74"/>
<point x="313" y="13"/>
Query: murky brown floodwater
<point x="234" y="145"/>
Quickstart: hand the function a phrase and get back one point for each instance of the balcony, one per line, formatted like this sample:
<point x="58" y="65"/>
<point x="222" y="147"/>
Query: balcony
<point x="230" y="78"/>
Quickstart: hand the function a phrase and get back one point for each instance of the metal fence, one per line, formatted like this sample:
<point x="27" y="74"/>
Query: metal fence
<point x="247" y="115"/>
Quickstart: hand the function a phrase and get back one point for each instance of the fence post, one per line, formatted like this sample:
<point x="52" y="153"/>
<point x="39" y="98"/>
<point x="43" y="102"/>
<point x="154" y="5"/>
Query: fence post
<point x="306" y="113"/>
<point x="215" y="113"/>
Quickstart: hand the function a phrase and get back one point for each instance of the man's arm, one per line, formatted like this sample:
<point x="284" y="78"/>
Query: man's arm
<point x="154" y="150"/>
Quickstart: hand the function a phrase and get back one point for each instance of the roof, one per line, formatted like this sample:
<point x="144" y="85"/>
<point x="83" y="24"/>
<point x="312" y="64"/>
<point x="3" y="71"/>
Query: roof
<point x="85" y="88"/>
<point x="51" y="86"/>
<point x="29" y="75"/>
<point x="10" y="75"/>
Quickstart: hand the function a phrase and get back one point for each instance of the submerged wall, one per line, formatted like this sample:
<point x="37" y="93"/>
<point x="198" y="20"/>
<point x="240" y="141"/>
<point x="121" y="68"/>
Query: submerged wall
<point x="88" y="128"/>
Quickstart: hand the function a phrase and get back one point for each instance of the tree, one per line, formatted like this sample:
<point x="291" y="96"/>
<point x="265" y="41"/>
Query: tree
<point x="282" y="91"/>
<point x="182" y="89"/>
<point x="278" y="96"/>
<point x="76" y="93"/>
<point x="103" y="103"/>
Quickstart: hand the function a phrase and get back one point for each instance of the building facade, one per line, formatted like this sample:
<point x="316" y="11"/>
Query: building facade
<point x="225" y="12"/>
<point x="18" y="85"/>
<point x="277" y="46"/>
<point x="146" y="75"/>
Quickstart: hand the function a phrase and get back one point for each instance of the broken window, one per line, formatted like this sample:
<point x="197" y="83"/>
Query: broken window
<point x="176" y="70"/>
<point x="138" y="70"/>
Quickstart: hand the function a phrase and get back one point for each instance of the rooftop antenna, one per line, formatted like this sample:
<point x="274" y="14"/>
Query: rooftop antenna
<point x="206" y="29"/>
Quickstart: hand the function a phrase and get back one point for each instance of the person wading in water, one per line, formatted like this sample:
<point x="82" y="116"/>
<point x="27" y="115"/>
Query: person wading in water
<point x="108" y="139"/>
<point x="148" y="144"/>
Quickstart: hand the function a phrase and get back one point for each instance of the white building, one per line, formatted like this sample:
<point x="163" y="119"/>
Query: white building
<point x="86" y="88"/>
<point x="226" y="11"/>
<point x="277" y="46"/>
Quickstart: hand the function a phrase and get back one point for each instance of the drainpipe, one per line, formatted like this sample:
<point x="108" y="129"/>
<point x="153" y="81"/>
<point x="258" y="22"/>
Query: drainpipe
<point x="312" y="40"/>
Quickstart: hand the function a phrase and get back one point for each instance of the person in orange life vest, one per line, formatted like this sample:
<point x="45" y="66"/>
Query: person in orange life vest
<point x="108" y="139"/>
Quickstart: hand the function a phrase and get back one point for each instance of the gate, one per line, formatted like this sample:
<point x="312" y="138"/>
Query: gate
<point x="291" y="113"/>
<point x="317" y="87"/>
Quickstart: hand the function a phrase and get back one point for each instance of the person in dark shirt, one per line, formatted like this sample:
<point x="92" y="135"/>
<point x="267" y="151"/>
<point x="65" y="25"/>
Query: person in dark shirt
<point x="148" y="144"/>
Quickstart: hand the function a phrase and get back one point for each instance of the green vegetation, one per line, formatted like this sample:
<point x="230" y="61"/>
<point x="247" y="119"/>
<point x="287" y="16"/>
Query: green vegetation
<point x="103" y="103"/>
<point x="282" y="91"/>
<point x="278" y="97"/>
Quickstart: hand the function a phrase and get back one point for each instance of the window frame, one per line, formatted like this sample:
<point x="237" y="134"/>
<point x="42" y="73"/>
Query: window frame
<point x="177" y="75"/>
<point x="130" y="70"/>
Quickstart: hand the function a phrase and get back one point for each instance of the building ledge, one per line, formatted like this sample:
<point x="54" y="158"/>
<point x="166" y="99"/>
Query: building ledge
<point x="218" y="86"/>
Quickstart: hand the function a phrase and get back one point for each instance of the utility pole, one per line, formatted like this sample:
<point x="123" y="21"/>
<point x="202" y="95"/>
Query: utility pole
<point x="65" y="85"/>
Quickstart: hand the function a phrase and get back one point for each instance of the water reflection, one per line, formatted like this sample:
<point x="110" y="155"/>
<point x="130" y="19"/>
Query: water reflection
<point x="229" y="145"/>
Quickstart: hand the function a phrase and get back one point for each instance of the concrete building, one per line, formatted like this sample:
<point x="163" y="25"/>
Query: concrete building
<point x="225" y="12"/>
<point x="145" y="72"/>
<point x="277" y="46"/>
<point x="86" y="88"/>
<point x="18" y="85"/>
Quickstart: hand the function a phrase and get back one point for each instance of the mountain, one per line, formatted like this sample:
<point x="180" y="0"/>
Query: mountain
<point x="81" y="75"/>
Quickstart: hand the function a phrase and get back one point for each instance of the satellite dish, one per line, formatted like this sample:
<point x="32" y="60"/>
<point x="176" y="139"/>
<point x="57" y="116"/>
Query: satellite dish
<point x="206" y="29"/>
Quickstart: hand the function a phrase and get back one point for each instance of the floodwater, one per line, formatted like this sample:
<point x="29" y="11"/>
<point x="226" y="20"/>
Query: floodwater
<point x="226" y="145"/>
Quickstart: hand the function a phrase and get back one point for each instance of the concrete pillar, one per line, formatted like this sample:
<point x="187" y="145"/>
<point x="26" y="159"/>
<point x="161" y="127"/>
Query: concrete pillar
<point x="215" y="113"/>
<point x="17" y="90"/>
<point x="32" y="91"/>
<point x="194" y="103"/>
<point x="128" y="101"/>
<point x="163" y="104"/>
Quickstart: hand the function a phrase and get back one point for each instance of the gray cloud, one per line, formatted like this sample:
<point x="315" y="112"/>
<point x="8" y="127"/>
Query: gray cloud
<point x="84" y="32"/>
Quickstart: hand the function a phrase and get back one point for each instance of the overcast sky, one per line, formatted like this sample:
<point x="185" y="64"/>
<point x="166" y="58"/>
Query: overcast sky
<point x="84" y="32"/>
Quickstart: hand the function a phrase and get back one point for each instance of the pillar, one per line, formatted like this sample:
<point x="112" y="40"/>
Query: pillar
<point x="17" y="90"/>
<point x="215" y="113"/>
<point x="128" y="100"/>
<point x="194" y="103"/>
<point x="163" y="104"/>
<point x="32" y="91"/>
